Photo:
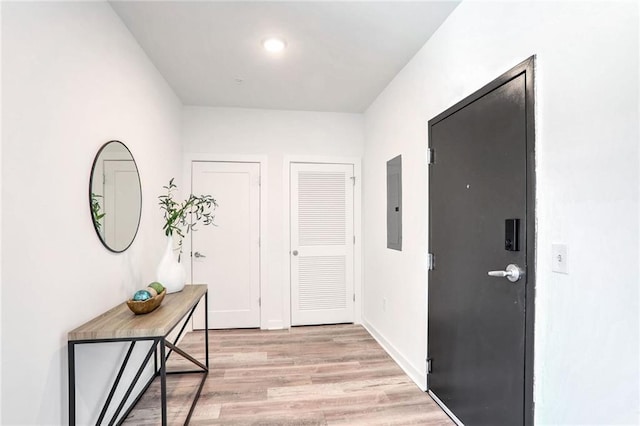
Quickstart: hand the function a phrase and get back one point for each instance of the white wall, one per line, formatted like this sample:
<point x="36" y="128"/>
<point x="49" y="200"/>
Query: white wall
<point x="1" y="286"/>
<point x="73" y="78"/>
<point x="587" y="333"/>
<point x="226" y="133"/>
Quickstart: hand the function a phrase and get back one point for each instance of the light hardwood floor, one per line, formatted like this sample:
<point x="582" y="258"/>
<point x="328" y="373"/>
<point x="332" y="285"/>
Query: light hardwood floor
<point x="321" y="375"/>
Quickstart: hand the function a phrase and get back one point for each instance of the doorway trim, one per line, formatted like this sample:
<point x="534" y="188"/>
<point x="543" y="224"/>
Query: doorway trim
<point x="526" y="67"/>
<point x="189" y="158"/>
<point x="357" y="230"/>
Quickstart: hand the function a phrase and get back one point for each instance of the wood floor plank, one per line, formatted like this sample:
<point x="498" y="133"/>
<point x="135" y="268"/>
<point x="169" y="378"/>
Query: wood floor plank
<point x="320" y="375"/>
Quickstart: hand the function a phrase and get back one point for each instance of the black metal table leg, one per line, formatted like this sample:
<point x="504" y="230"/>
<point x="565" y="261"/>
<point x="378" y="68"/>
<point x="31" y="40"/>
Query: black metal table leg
<point x="163" y="382"/>
<point x="72" y="383"/>
<point x="133" y="382"/>
<point x="206" y="329"/>
<point x="184" y="326"/>
<point x="116" y="383"/>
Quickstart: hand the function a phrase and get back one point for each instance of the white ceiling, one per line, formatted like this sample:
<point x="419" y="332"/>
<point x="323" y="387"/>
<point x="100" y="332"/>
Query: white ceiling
<point x="340" y="55"/>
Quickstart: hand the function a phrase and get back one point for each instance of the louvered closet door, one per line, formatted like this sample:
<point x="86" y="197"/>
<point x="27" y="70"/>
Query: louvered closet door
<point x="321" y="243"/>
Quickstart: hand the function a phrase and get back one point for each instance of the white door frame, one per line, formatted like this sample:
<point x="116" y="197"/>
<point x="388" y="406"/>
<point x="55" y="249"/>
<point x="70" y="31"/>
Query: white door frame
<point x="186" y="186"/>
<point x="357" y="230"/>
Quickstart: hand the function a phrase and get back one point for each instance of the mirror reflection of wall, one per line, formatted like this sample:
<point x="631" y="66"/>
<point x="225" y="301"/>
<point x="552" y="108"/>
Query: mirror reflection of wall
<point x="115" y="196"/>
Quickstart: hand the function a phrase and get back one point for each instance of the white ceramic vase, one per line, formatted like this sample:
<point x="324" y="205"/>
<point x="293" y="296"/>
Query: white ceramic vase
<point x="170" y="272"/>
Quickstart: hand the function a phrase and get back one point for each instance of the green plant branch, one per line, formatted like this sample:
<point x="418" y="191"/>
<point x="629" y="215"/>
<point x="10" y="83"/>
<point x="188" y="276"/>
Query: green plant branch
<point x="182" y="218"/>
<point x="95" y="210"/>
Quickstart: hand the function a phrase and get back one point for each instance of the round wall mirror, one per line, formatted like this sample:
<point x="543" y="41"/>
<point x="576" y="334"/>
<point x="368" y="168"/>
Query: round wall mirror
<point x="115" y="196"/>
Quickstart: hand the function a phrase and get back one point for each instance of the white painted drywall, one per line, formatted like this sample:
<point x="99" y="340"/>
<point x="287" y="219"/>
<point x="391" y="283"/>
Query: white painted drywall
<point x="1" y="286"/>
<point x="1" y="244"/>
<point x="73" y="78"/>
<point x="230" y="133"/>
<point x="587" y="334"/>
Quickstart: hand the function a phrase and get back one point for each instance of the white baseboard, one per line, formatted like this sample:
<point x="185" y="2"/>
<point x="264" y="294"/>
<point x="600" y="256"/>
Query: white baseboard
<point x="274" y="325"/>
<point x="419" y="377"/>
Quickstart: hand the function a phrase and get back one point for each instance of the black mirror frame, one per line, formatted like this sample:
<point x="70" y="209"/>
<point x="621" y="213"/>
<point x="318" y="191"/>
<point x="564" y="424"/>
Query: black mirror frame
<point x="93" y="166"/>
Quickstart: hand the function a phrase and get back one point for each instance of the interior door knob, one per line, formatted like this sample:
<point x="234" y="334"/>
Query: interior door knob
<point x="513" y="273"/>
<point x="295" y="252"/>
<point x="198" y="255"/>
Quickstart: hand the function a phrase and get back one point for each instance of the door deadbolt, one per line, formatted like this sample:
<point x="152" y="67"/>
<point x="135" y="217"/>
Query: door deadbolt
<point x="513" y="273"/>
<point x="295" y="252"/>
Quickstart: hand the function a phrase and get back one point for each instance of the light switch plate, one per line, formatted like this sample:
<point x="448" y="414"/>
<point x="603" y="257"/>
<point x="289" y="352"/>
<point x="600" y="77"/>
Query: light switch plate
<point x="559" y="258"/>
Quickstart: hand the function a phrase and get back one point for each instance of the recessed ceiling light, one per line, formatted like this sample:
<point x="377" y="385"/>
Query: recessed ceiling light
<point x="274" y="44"/>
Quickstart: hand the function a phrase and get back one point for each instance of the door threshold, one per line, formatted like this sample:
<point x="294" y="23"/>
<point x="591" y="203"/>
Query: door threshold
<point x="445" y="409"/>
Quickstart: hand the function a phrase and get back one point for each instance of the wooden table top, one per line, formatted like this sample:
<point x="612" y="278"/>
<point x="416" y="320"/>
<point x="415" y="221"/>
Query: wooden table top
<point x="120" y="323"/>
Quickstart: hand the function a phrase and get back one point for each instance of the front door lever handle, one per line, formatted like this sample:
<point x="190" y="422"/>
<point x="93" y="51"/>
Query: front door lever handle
<point x="513" y="273"/>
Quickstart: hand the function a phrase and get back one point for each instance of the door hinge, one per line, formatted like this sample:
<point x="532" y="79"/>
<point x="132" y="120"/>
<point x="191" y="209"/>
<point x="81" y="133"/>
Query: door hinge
<point x="354" y="297"/>
<point x="431" y="261"/>
<point x="259" y="242"/>
<point x="431" y="156"/>
<point x="260" y="301"/>
<point x="429" y="365"/>
<point x="354" y="239"/>
<point x="353" y="179"/>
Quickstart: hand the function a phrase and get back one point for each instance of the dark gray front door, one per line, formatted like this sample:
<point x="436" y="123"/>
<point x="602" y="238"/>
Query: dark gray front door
<point x="480" y="340"/>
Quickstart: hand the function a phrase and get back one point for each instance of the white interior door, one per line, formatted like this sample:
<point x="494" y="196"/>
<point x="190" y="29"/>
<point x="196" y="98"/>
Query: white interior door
<point x="227" y="256"/>
<point x="121" y="197"/>
<point x="322" y="243"/>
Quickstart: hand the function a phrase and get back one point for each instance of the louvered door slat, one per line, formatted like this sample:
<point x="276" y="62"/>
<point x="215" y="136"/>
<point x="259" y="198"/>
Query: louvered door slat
<point x="321" y="208"/>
